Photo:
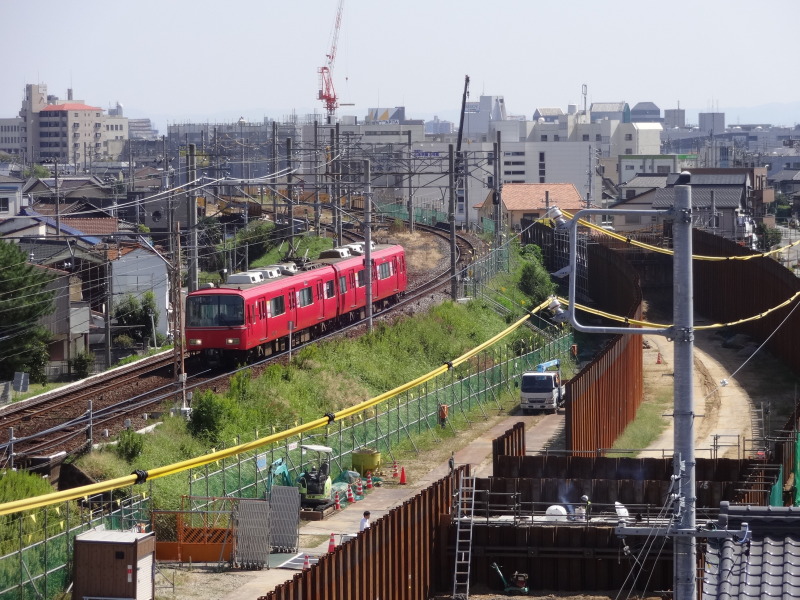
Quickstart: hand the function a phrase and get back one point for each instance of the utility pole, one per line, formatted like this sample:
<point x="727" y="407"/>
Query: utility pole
<point x="368" y="240"/>
<point x="191" y="210"/>
<point x="316" y="178"/>
<point x="451" y="217"/>
<point x="290" y="190"/>
<point x="684" y="546"/>
<point x="496" y="213"/>
<point x="58" y="203"/>
<point x="338" y="177"/>
<point x="410" y="204"/>
<point x="109" y="309"/>
<point x="177" y="319"/>
<point x="274" y="186"/>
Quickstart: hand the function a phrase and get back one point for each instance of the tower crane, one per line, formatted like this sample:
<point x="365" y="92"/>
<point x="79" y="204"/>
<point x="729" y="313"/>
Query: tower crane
<point x="327" y="93"/>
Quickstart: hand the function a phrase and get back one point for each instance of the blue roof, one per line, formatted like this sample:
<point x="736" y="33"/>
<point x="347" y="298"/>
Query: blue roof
<point x="89" y="239"/>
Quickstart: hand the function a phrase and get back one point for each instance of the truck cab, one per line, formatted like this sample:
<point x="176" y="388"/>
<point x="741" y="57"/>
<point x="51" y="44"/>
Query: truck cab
<point x="542" y="388"/>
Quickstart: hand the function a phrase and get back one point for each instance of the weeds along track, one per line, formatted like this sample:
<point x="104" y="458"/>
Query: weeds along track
<point x="73" y="417"/>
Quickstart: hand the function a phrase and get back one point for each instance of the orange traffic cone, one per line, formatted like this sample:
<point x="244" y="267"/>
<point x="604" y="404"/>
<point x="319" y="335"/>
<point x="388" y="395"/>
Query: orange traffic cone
<point x="394" y="469"/>
<point x="306" y="563"/>
<point x="350" y="494"/>
<point x="658" y="360"/>
<point x="369" y="480"/>
<point x="359" y="488"/>
<point x="336" y="504"/>
<point x="332" y="544"/>
<point x="403" y="476"/>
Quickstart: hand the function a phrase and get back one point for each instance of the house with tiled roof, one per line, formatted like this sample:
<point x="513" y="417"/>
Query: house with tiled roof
<point x="530" y="201"/>
<point x="762" y="563"/>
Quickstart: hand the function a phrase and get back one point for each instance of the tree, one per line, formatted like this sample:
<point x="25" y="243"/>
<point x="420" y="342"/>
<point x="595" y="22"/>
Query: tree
<point x="768" y="236"/>
<point x="38" y="171"/>
<point x="24" y="299"/>
<point x="134" y="316"/>
<point x="535" y="281"/>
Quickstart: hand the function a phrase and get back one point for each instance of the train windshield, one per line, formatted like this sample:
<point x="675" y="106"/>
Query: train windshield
<point x="214" y="310"/>
<point x="536" y="383"/>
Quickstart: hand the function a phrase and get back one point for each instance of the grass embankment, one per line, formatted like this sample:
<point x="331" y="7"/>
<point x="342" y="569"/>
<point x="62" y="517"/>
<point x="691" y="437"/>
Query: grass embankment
<point x="648" y="425"/>
<point x="321" y="378"/>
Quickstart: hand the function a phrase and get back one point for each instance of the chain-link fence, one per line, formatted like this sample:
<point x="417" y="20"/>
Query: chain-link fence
<point x="469" y="391"/>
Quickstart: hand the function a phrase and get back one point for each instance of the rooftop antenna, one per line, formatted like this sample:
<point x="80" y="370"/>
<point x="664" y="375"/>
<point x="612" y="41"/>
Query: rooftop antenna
<point x="584" y="92"/>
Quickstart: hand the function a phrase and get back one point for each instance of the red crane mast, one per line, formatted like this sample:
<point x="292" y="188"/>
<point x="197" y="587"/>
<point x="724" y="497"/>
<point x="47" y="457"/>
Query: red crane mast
<point x="327" y="93"/>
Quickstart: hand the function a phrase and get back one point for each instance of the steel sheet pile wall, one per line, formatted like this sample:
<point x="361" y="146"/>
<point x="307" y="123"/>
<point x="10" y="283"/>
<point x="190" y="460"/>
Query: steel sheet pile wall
<point x="402" y="556"/>
<point x="552" y="479"/>
<point x="565" y="559"/>
<point x="726" y="291"/>
<point x="511" y="443"/>
<point x="604" y="396"/>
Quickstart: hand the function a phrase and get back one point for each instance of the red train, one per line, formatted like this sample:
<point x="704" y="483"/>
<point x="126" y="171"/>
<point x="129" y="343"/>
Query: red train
<point x="250" y="315"/>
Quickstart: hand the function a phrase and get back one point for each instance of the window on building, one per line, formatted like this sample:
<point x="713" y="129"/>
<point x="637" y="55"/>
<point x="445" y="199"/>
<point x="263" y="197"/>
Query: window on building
<point x="633" y="219"/>
<point x="585" y="137"/>
<point x="556" y="138"/>
<point x="628" y="137"/>
<point x="598" y="137"/>
<point x="544" y="138"/>
<point x="663" y="170"/>
<point x="541" y="180"/>
<point x="305" y="297"/>
<point x="541" y="157"/>
<point x="628" y="150"/>
<point x="630" y="193"/>
<point x="4" y="204"/>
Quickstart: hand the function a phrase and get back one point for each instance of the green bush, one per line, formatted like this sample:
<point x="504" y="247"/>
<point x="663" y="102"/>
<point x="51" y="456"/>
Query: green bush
<point x="129" y="445"/>
<point x="123" y="341"/>
<point x="81" y="364"/>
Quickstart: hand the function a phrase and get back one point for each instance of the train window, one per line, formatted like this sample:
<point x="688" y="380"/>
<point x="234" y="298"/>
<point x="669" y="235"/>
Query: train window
<point x="262" y="309"/>
<point x="277" y="306"/>
<point x="305" y="297"/>
<point x="214" y="311"/>
<point x="330" y="289"/>
<point x="361" y="278"/>
<point x="342" y="284"/>
<point x="384" y="270"/>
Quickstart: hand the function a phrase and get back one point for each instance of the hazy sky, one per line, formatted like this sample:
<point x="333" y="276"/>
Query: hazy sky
<point x="180" y="60"/>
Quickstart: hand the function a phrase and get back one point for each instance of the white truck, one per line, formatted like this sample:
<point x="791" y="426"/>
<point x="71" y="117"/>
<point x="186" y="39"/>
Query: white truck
<point x="542" y="389"/>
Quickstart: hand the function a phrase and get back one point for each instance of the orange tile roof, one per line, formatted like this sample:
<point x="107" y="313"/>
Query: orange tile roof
<point x="530" y="196"/>
<point x="93" y="225"/>
<point x="69" y="106"/>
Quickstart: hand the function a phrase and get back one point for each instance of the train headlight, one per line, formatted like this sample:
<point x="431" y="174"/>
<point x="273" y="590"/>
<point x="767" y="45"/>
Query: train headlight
<point x="232" y="341"/>
<point x="195" y="342"/>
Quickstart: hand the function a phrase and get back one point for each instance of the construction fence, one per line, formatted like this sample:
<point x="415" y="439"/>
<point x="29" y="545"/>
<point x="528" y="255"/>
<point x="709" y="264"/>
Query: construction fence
<point x="476" y="386"/>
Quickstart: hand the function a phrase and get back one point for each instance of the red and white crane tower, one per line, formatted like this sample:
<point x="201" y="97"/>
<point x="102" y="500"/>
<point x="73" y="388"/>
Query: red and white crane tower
<point x="327" y="93"/>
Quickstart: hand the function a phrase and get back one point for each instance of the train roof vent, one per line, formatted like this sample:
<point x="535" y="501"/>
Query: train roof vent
<point x="270" y="272"/>
<point x="287" y="268"/>
<point x="246" y="277"/>
<point x="339" y="252"/>
<point x="356" y="248"/>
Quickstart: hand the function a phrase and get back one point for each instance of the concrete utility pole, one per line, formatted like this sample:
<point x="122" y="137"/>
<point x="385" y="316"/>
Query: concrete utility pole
<point x="684" y="546"/>
<point x="316" y="178"/>
<point x="191" y="210"/>
<point x="109" y="308"/>
<point x="497" y="212"/>
<point x="368" y="240"/>
<point x="177" y="319"/>
<point x="410" y="193"/>
<point x="274" y="186"/>
<point x="58" y="204"/>
<point x="451" y="217"/>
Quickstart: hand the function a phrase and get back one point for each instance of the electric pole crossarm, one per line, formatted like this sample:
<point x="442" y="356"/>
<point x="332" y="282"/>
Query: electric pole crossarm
<point x="573" y="268"/>
<point x="742" y="534"/>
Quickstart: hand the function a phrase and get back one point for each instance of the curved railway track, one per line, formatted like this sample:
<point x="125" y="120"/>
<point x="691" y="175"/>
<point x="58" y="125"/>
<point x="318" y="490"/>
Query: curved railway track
<point x="73" y="417"/>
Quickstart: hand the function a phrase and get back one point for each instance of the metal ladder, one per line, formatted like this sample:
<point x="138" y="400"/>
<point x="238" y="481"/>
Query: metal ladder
<point x="465" y="505"/>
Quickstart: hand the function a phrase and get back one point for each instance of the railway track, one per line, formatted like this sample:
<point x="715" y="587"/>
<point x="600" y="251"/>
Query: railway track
<point x="72" y="418"/>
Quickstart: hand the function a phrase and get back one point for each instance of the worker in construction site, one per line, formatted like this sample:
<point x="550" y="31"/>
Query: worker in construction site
<point x="443" y="410"/>
<point x="587" y="506"/>
<point x="364" y="521"/>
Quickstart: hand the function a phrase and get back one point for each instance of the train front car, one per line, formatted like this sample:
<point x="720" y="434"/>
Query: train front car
<point x="215" y="322"/>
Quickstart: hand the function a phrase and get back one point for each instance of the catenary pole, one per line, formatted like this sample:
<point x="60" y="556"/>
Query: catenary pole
<point x="685" y="547"/>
